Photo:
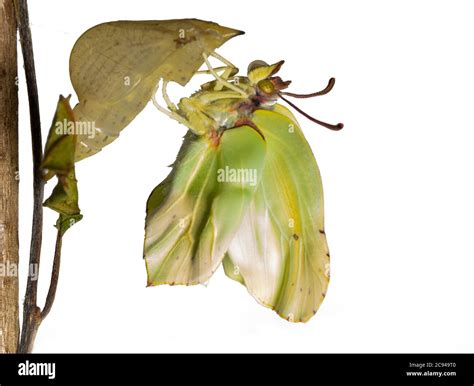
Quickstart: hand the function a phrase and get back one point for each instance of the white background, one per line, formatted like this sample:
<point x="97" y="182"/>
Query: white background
<point x="398" y="184"/>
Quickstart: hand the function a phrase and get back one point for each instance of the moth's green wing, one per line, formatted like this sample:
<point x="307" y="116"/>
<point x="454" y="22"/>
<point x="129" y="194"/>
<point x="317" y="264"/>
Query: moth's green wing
<point x="175" y="211"/>
<point x="232" y="270"/>
<point x="115" y="67"/>
<point x="280" y="251"/>
<point x="192" y="216"/>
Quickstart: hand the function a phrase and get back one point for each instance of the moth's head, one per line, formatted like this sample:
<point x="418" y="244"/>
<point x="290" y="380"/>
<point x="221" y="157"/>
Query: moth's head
<point x="261" y="77"/>
<point x="268" y="88"/>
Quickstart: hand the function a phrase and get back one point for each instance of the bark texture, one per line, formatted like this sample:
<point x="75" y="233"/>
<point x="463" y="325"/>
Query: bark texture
<point x="9" y="319"/>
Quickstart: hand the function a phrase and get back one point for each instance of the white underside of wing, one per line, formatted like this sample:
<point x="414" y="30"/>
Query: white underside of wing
<point x="257" y="255"/>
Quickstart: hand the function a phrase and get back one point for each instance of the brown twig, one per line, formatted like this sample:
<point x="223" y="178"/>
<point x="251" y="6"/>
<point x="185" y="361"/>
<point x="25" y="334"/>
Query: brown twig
<point x="53" y="285"/>
<point x="31" y="312"/>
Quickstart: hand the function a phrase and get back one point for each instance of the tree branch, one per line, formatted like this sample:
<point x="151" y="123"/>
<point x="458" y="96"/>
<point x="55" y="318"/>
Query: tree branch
<point x="9" y="308"/>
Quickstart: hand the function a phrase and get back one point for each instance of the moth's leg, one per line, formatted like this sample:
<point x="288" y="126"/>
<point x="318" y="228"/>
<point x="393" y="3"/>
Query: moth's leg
<point x="216" y="69"/>
<point x="225" y="76"/>
<point x="231" y="68"/>
<point x="227" y="71"/>
<point x="220" y="80"/>
<point x="174" y="115"/>
<point x="171" y="114"/>
<point x="227" y="62"/>
<point x="166" y="98"/>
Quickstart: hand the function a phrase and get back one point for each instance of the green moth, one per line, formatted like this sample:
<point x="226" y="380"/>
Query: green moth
<point x="245" y="190"/>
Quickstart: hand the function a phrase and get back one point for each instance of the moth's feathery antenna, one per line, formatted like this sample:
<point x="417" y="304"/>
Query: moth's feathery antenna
<point x="223" y="82"/>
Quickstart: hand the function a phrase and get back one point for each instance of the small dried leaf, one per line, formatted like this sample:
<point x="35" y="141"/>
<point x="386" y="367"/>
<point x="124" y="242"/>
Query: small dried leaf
<point x="59" y="160"/>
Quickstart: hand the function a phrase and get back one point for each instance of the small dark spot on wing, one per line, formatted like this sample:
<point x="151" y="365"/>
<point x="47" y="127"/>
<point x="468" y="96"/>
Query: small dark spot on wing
<point x="180" y="42"/>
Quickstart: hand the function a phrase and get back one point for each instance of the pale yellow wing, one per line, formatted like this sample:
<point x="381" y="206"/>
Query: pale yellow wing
<point x="280" y="251"/>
